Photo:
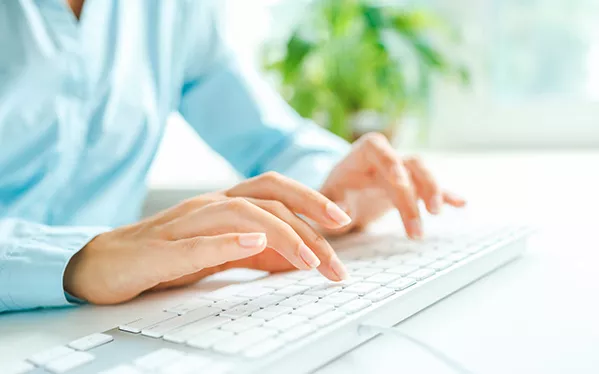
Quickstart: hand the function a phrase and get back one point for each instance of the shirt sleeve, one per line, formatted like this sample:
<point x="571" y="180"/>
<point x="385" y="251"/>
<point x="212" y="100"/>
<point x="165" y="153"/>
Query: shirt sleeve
<point x="33" y="258"/>
<point x="243" y="118"/>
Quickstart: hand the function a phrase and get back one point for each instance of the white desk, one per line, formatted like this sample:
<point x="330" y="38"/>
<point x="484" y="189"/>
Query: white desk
<point x="537" y="315"/>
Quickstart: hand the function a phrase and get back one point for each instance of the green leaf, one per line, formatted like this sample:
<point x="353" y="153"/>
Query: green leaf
<point x="297" y="50"/>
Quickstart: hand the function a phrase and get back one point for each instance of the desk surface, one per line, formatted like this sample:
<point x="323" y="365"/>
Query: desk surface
<point x="537" y="315"/>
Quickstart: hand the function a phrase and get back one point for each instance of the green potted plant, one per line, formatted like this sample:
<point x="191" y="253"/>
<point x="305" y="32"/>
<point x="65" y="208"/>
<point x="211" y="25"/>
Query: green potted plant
<point x="355" y="67"/>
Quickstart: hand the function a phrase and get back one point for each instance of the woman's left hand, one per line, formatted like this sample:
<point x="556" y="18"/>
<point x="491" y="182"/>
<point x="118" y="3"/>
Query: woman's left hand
<point x="373" y="179"/>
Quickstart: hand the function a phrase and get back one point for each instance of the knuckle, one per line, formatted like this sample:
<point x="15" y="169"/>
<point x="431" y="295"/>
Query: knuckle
<point x="318" y="240"/>
<point x="272" y="177"/>
<point x="414" y="159"/>
<point x="404" y="186"/>
<point x="374" y="138"/>
<point x="237" y="204"/>
<point x="389" y="161"/>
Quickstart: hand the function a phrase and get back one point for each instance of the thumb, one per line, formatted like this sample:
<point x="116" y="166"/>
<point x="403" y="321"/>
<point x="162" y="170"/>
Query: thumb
<point x="194" y="254"/>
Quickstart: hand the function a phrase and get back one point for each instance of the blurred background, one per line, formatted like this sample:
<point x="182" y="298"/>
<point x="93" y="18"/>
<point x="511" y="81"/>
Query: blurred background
<point x="469" y="79"/>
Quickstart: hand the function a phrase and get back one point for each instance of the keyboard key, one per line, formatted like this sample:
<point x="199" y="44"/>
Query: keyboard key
<point x="158" y="330"/>
<point x="209" y="338"/>
<point x="242" y="341"/>
<point x="90" y="341"/>
<point x="230" y="302"/>
<point x="42" y="358"/>
<point x="402" y="284"/>
<point x="141" y="323"/>
<point x="240" y="311"/>
<point x="18" y="368"/>
<point x="264" y="347"/>
<point x="405" y="256"/>
<point x="272" y="312"/>
<point x="189" y="306"/>
<point x="456" y="256"/>
<point x="328" y="318"/>
<point x="340" y="298"/>
<point x="182" y="334"/>
<point x="366" y="272"/>
<point x="279" y="283"/>
<point x="314" y="281"/>
<point x="403" y="270"/>
<point x="326" y="290"/>
<point x="69" y="362"/>
<point x="242" y="324"/>
<point x="297" y="332"/>
<point x="300" y="274"/>
<point x="298" y="301"/>
<point x="351" y="280"/>
<point x="267" y="300"/>
<point x="440" y="265"/>
<point x="422" y="274"/>
<point x="223" y="293"/>
<point x="384" y="264"/>
<point x="361" y="288"/>
<point x="158" y="358"/>
<point x="383" y="278"/>
<point x="357" y="264"/>
<point x="186" y="365"/>
<point x="355" y="306"/>
<point x="434" y="254"/>
<point x="285" y="322"/>
<point x="420" y="261"/>
<point x="379" y="294"/>
<point x="291" y="290"/>
<point x="254" y="292"/>
<point x="122" y="369"/>
<point x="313" y="310"/>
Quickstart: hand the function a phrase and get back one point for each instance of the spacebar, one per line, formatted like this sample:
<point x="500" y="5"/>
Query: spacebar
<point x="162" y="328"/>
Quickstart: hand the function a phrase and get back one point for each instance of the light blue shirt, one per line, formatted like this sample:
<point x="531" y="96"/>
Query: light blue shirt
<point x="83" y="106"/>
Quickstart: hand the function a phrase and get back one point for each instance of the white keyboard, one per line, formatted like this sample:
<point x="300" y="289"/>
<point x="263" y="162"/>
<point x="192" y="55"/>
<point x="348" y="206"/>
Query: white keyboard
<point x="260" y="325"/>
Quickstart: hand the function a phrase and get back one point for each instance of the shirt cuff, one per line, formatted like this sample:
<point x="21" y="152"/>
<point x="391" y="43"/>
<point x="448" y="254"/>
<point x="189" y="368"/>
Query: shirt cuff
<point x="38" y="282"/>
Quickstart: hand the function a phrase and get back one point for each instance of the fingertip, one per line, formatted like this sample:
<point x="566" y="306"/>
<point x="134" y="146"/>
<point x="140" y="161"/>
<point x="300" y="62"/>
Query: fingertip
<point x="339" y="268"/>
<point x="414" y="229"/>
<point x="338" y="215"/>
<point x="308" y="257"/>
<point x="435" y="204"/>
<point x="454" y="200"/>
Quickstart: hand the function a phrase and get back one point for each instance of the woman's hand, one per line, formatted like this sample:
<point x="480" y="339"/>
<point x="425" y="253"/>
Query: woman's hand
<point x="373" y="179"/>
<point x="254" y="224"/>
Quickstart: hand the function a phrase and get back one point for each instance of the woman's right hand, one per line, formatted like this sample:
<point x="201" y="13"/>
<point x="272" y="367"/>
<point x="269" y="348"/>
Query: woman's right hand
<point x="182" y="244"/>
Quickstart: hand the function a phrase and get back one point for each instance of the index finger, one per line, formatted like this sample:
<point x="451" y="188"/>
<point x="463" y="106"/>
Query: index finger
<point x="299" y="198"/>
<point x="395" y="179"/>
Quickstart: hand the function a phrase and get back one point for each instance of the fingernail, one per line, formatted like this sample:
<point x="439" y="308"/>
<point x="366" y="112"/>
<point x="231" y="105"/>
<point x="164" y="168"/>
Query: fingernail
<point x="308" y="256"/>
<point x="415" y="229"/>
<point x="338" y="268"/>
<point x="338" y="215"/>
<point x="252" y="240"/>
<point x="435" y="204"/>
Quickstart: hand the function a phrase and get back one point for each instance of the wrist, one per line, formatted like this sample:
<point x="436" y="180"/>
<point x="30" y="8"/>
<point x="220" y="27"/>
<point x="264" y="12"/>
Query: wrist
<point x="75" y="273"/>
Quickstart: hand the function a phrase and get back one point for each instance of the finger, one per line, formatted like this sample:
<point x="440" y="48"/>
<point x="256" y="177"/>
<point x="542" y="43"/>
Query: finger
<point x="426" y="185"/>
<point x="296" y="196"/>
<point x="330" y="264"/>
<point x="194" y="254"/>
<point x="453" y="199"/>
<point x="239" y="215"/>
<point x="395" y="180"/>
